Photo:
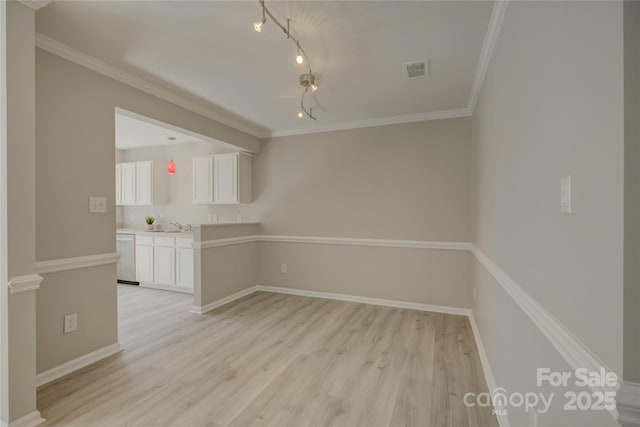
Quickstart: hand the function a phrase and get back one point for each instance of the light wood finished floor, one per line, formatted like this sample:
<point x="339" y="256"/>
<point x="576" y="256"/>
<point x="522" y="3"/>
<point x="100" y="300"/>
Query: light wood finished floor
<point x="274" y="360"/>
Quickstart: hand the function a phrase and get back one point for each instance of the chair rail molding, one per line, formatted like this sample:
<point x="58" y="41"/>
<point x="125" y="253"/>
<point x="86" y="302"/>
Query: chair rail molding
<point x="628" y="404"/>
<point x="55" y="265"/>
<point x="26" y="283"/>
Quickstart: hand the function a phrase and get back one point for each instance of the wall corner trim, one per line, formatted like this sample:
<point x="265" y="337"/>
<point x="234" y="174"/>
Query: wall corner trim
<point x="55" y="265"/>
<point x="576" y="353"/>
<point x="503" y="420"/>
<point x="495" y="23"/>
<point x="30" y="420"/>
<point x="628" y="404"/>
<point x="226" y="300"/>
<point x="77" y="363"/>
<point x="26" y="283"/>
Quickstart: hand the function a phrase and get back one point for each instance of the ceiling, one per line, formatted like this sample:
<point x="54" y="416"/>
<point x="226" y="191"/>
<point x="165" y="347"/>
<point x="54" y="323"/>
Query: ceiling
<point x="207" y="53"/>
<point x="133" y="133"/>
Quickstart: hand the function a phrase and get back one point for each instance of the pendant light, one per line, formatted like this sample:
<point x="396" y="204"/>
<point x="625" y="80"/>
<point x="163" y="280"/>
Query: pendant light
<point x="171" y="166"/>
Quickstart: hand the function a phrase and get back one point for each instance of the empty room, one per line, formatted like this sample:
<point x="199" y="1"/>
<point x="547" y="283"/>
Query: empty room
<point x="319" y="213"/>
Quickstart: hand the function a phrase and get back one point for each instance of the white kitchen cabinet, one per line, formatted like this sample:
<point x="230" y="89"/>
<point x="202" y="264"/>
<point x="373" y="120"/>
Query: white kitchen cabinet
<point x="144" y="183"/>
<point x="203" y="180"/>
<point x="144" y="259"/>
<point x="184" y="263"/>
<point x="128" y="179"/>
<point x="141" y="183"/>
<point x="231" y="178"/>
<point x="118" y="184"/>
<point x="164" y="264"/>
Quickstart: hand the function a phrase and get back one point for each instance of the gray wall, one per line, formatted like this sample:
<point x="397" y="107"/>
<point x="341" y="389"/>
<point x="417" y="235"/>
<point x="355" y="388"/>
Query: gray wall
<point x="407" y="181"/>
<point x="548" y="109"/>
<point x="19" y="330"/>
<point x="404" y="182"/>
<point x="631" y="191"/>
<point x="75" y="159"/>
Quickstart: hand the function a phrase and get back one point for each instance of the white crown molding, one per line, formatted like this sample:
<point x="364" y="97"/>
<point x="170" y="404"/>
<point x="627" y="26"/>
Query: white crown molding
<point x="413" y="244"/>
<point x="570" y="348"/>
<point x="63" y="264"/>
<point x="81" y="58"/>
<point x="77" y="363"/>
<point x="35" y="4"/>
<point x="32" y="419"/>
<point x="503" y="420"/>
<point x="628" y="404"/>
<point x="26" y="283"/>
<point x="383" y="121"/>
<point x="458" y="311"/>
<point x="222" y="301"/>
<point x="495" y="23"/>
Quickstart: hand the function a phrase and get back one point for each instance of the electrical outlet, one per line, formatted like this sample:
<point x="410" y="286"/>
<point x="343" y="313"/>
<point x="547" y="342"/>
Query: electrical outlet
<point x="209" y="218"/>
<point x="97" y="204"/>
<point x="283" y="268"/>
<point x="239" y="217"/>
<point x="70" y="323"/>
<point x="214" y="218"/>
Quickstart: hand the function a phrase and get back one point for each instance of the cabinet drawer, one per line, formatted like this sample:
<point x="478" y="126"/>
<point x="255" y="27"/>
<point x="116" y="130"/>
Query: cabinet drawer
<point x="165" y="241"/>
<point x="144" y="240"/>
<point x="184" y="242"/>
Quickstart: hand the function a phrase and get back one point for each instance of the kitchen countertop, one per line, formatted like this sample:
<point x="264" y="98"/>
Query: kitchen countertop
<point x="143" y="232"/>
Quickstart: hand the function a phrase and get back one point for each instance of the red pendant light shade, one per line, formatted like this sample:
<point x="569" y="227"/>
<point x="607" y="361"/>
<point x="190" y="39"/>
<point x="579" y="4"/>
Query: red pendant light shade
<point x="171" y="167"/>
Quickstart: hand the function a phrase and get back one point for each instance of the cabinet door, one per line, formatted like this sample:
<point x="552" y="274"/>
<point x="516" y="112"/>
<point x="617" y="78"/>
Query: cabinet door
<point x="202" y="180"/>
<point x="164" y="265"/>
<point x="144" y="183"/>
<point x="225" y="182"/>
<point x="184" y="267"/>
<point x="128" y="184"/>
<point x="144" y="263"/>
<point x="118" y="184"/>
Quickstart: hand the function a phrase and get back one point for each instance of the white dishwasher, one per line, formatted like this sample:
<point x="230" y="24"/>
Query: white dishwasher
<point x="126" y="248"/>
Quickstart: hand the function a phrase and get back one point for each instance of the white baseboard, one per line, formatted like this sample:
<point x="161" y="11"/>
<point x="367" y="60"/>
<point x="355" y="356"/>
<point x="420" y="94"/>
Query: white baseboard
<point x="172" y="288"/>
<point x="366" y="300"/>
<point x="75" y="364"/>
<point x="30" y="420"/>
<point x="226" y="300"/>
<point x="628" y="404"/>
<point x="503" y="420"/>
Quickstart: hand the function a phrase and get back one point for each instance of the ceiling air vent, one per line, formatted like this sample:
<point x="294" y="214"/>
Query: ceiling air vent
<point x="417" y="68"/>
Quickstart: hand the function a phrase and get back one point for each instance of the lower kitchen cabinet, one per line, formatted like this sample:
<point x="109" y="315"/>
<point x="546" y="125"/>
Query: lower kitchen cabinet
<point x="165" y="262"/>
<point x="144" y="259"/>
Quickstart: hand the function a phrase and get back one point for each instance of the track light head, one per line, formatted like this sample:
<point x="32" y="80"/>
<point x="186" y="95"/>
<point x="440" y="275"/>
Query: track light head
<point x="258" y="25"/>
<point x="300" y="114"/>
<point x="299" y="59"/>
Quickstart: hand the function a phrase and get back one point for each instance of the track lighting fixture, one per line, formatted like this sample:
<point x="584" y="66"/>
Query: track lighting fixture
<point x="308" y="80"/>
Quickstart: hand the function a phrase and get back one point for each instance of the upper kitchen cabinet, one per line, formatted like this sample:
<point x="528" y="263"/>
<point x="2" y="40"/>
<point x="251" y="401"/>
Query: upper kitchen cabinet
<point x="203" y="180"/>
<point x="222" y="179"/>
<point x="140" y="183"/>
<point x="231" y="178"/>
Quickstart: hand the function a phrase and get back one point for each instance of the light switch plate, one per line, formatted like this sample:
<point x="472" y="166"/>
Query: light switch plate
<point x="565" y="195"/>
<point x="70" y="323"/>
<point x="97" y="205"/>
